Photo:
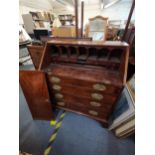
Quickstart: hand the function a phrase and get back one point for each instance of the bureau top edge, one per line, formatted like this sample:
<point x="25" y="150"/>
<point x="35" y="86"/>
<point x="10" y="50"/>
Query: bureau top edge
<point x="88" y="43"/>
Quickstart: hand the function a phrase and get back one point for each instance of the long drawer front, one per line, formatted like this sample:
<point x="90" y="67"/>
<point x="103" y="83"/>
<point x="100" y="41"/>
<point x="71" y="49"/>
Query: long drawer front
<point x="88" y="110"/>
<point x="83" y="101"/>
<point x="101" y="109"/>
<point x="83" y="93"/>
<point x="86" y="85"/>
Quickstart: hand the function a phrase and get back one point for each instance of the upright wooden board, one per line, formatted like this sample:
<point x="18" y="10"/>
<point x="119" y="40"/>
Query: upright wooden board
<point x="36" y="93"/>
<point x="35" y="53"/>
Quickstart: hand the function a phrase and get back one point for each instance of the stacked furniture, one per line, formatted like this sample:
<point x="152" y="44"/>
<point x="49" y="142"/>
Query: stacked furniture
<point x="85" y="77"/>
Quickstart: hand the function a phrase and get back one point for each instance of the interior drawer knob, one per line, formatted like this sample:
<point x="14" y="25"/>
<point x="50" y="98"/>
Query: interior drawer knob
<point x="95" y="104"/>
<point x="47" y="100"/>
<point x="96" y="96"/>
<point x="61" y="103"/>
<point x="99" y="87"/>
<point x="55" y="79"/>
<point x="95" y="113"/>
<point x="56" y="87"/>
<point x="58" y="96"/>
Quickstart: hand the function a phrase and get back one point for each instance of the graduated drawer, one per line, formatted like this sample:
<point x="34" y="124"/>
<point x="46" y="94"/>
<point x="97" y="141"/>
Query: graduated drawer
<point x="83" y="93"/>
<point x="103" y="114"/>
<point x="87" y="85"/>
<point x="87" y="102"/>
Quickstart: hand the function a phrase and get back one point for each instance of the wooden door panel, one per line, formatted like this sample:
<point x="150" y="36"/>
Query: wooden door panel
<point x="36" y="93"/>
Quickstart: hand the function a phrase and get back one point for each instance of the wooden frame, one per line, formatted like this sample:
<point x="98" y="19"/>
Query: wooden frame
<point x="104" y="27"/>
<point x="35" y="52"/>
<point x="98" y="17"/>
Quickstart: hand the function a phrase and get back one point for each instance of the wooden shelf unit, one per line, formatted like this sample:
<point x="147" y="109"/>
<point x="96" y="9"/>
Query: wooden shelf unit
<point x="66" y="18"/>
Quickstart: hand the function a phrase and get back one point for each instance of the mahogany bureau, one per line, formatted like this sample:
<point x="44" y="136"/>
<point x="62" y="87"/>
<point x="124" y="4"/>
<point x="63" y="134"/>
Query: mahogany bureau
<point x="85" y="77"/>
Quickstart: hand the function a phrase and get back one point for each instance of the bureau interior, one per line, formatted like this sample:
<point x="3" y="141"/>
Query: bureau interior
<point x="100" y="56"/>
<point x="108" y="56"/>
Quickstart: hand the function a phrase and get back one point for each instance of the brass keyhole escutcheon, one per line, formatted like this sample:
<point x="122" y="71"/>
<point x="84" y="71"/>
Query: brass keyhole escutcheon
<point x="47" y="100"/>
<point x="56" y="87"/>
<point x="58" y="96"/>
<point x="55" y="79"/>
<point x="99" y="87"/>
<point x="96" y="96"/>
<point x="95" y="104"/>
<point x="95" y="113"/>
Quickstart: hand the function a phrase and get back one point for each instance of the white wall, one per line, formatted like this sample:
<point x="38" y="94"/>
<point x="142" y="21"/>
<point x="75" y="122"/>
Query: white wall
<point x="118" y="11"/>
<point x="91" y="11"/>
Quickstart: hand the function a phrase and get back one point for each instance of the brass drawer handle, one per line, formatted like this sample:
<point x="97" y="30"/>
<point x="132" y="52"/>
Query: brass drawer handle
<point x="49" y="73"/>
<point x="95" y="104"/>
<point x="55" y="79"/>
<point x="58" y="96"/>
<point x="61" y="103"/>
<point x="56" y="87"/>
<point x="96" y="96"/>
<point x="99" y="87"/>
<point x="95" y="113"/>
